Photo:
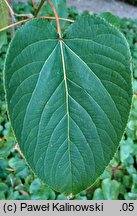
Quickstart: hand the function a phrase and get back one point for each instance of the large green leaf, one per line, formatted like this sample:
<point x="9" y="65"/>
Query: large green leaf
<point x="68" y="99"/>
<point x="3" y="22"/>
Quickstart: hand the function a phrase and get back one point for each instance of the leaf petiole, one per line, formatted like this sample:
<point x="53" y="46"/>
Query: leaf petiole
<point x="57" y="18"/>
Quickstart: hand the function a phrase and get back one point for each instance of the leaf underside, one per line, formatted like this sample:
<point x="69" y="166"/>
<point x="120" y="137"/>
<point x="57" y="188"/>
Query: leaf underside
<point x="68" y="100"/>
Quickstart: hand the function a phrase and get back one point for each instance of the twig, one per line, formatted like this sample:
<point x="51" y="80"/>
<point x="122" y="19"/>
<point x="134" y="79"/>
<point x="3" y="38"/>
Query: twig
<point x="30" y="16"/>
<point x="17" y="15"/>
<point x="64" y="19"/>
<point x="24" y="15"/>
<point x="10" y="8"/>
<point x="14" y="24"/>
<point x="18" y="150"/>
<point x="12" y="19"/>
<point x="57" y="18"/>
<point x="44" y="17"/>
<point x="34" y="5"/>
<point x="39" y="7"/>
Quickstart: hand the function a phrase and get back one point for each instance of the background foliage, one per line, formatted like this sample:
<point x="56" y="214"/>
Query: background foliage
<point x="134" y="2"/>
<point x="119" y="180"/>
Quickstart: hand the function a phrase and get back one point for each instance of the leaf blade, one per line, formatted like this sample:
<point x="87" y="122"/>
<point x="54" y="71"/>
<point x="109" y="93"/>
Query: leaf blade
<point x="70" y="99"/>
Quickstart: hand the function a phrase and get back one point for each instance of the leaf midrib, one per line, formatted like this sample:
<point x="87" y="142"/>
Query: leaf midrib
<point x="67" y="105"/>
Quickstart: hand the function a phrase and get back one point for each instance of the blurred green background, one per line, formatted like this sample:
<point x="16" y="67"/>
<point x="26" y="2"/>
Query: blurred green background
<point x="119" y="180"/>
